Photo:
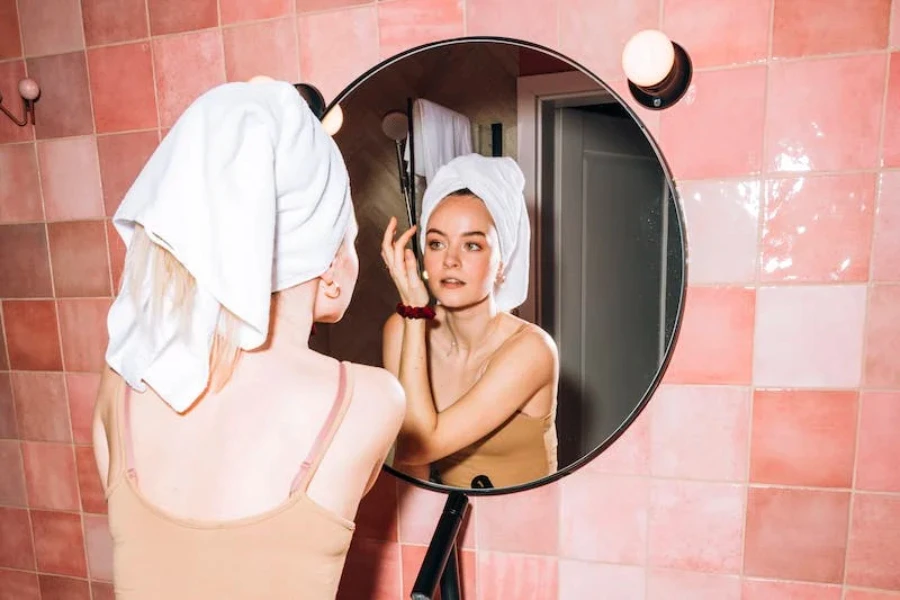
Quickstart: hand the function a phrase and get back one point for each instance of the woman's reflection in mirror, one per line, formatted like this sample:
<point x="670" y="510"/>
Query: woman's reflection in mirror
<point x="481" y="384"/>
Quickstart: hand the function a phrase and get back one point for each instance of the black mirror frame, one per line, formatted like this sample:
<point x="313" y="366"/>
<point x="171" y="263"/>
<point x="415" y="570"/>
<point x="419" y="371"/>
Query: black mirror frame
<point x="679" y="215"/>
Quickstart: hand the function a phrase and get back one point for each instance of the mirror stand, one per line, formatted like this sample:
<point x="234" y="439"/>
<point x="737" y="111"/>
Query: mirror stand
<point x="441" y="562"/>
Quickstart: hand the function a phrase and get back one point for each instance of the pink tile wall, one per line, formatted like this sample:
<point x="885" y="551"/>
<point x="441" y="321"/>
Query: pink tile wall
<point x="765" y="468"/>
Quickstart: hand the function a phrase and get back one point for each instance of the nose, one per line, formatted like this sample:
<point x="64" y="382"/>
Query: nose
<point x="451" y="258"/>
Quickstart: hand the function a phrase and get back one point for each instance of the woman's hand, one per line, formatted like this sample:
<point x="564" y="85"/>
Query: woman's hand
<point x="401" y="263"/>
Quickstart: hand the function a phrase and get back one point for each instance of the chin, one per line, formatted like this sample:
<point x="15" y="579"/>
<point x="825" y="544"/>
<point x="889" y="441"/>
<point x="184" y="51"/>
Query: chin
<point x="459" y="299"/>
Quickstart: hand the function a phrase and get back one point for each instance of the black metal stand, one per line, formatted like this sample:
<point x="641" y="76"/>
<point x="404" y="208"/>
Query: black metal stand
<point x="441" y="563"/>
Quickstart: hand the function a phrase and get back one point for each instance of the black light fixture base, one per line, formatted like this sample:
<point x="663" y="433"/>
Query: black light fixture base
<point x="671" y="89"/>
<point x="313" y="97"/>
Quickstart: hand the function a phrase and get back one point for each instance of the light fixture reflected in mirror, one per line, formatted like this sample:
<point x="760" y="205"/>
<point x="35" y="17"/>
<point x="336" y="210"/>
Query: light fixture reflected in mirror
<point x="659" y="71"/>
<point x="29" y="90"/>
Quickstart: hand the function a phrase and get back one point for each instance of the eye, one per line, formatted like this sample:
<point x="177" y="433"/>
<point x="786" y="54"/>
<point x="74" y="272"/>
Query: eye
<point x="435" y="244"/>
<point x="473" y="246"/>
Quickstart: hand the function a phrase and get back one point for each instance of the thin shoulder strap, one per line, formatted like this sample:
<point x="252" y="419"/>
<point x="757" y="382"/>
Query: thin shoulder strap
<point x="326" y="434"/>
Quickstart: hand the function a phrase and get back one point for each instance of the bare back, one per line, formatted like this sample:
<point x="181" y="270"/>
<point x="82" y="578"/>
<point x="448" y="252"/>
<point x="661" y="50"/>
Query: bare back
<point x="236" y="452"/>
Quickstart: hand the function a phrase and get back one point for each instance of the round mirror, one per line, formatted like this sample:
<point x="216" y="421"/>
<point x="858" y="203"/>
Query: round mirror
<point x="606" y="275"/>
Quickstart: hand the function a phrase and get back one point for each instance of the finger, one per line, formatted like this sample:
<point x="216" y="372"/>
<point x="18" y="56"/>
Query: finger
<point x="387" y="242"/>
<point x="407" y="235"/>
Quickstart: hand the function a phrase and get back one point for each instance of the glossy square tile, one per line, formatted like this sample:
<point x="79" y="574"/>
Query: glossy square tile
<point x="11" y="72"/>
<point x="90" y="489"/>
<point x="715" y="344"/>
<point x="19" y="585"/>
<point x="684" y="585"/>
<point x="321" y="5"/>
<point x="24" y="262"/>
<point x="405" y="24"/>
<point x="20" y="186"/>
<point x="268" y="48"/>
<point x="122" y="156"/>
<point x="722" y="218"/>
<point x="595" y="41"/>
<point x="122" y="87"/>
<point x="882" y="370"/>
<point x="618" y="582"/>
<point x="870" y="595"/>
<point x="790" y="326"/>
<point x="886" y="249"/>
<point x="99" y="547"/>
<point x="16" y="548"/>
<point x="8" y="428"/>
<point x="412" y="558"/>
<point x="784" y="590"/>
<point x="689" y="420"/>
<point x="236" y="11"/>
<point x="110" y="21"/>
<point x="721" y="110"/>
<point x="32" y="335"/>
<point x="82" y="325"/>
<point x="891" y="157"/>
<point x="70" y="178"/>
<point x="806" y="27"/>
<point x="80" y="258"/>
<point x="42" y="411"/>
<point x="65" y="106"/>
<point x="83" y="389"/>
<point x="895" y="25"/>
<point x="377" y="516"/>
<point x="186" y="66"/>
<point x="803" y="438"/>
<point x="517" y="576"/>
<point x="337" y="47"/>
<point x="874" y="542"/>
<point x="64" y="588"/>
<point x="818" y="229"/>
<point x="50" y="26"/>
<point x="696" y="526"/>
<point x="50" y="476"/>
<point x="12" y="476"/>
<point x="10" y="39"/>
<point x="719" y="33"/>
<point x="879" y="445"/>
<point x="612" y="515"/>
<point x="628" y="455"/>
<point x="526" y="522"/>
<point x="174" y="16"/>
<point x="532" y="21"/>
<point x="373" y="569"/>
<point x="796" y="534"/>
<point x="807" y="130"/>
<point x="59" y="543"/>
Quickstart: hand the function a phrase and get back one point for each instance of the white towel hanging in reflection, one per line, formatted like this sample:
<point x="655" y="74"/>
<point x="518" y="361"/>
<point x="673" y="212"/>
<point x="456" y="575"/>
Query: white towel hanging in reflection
<point x="439" y="136"/>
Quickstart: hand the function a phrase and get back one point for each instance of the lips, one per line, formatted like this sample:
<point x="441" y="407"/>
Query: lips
<point x="452" y="282"/>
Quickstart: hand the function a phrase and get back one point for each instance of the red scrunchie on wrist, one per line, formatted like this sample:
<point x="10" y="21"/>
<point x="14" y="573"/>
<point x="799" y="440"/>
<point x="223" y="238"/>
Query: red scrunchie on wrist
<point x="415" y="312"/>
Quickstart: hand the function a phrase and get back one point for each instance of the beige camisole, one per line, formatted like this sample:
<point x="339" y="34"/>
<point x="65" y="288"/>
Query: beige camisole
<point x="294" y="551"/>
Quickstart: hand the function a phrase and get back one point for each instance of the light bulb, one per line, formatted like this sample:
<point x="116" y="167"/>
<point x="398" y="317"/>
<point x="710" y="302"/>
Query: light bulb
<point x="333" y="120"/>
<point x="648" y="57"/>
<point x="29" y="89"/>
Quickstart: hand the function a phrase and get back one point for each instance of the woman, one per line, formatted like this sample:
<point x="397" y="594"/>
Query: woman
<point x="234" y="457"/>
<point x="480" y="383"/>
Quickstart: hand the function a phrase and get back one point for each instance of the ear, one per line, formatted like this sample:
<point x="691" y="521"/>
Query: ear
<point x="500" y="276"/>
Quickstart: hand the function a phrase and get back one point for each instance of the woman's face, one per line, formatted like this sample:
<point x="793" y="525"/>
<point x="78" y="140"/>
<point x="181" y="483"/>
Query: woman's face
<point x="462" y="251"/>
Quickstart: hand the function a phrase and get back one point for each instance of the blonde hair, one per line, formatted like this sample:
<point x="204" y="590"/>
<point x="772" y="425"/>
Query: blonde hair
<point x="171" y="281"/>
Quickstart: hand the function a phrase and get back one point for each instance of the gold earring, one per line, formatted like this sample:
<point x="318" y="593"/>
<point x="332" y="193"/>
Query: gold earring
<point x="335" y="294"/>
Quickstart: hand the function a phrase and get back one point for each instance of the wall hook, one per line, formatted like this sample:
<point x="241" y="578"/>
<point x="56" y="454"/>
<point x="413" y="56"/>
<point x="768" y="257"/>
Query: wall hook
<point x="29" y="90"/>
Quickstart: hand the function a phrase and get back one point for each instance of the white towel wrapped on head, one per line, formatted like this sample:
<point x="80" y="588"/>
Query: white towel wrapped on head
<point x="251" y="195"/>
<point x="499" y="182"/>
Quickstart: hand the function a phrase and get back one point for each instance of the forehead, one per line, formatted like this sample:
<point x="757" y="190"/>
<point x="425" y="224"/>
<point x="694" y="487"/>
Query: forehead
<point x="461" y="212"/>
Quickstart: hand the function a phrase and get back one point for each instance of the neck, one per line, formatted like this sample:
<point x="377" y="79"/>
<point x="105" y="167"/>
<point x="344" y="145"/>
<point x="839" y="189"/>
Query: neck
<point x="291" y="319"/>
<point x="469" y="326"/>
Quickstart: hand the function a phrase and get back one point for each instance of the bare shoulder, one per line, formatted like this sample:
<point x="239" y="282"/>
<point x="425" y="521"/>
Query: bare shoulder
<point x="379" y="395"/>
<point x="527" y="339"/>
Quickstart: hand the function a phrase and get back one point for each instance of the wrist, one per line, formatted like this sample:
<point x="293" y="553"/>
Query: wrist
<point x="415" y="312"/>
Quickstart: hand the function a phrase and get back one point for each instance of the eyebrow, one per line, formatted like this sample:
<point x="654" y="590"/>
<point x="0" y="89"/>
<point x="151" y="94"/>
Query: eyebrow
<point x="467" y="233"/>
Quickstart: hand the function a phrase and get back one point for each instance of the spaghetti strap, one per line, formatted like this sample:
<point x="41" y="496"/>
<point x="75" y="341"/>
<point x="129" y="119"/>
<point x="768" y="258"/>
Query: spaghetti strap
<point x="326" y="434"/>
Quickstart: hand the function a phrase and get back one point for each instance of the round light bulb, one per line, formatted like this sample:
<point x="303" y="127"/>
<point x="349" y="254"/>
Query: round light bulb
<point x="333" y="120"/>
<point x="259" y="79"/>
<point x="648" y="57"/>
<point x="29" y="89"/>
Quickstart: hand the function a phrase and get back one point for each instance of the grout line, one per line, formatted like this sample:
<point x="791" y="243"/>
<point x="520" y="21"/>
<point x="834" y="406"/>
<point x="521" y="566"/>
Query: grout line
<point x="151" y="38"/>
